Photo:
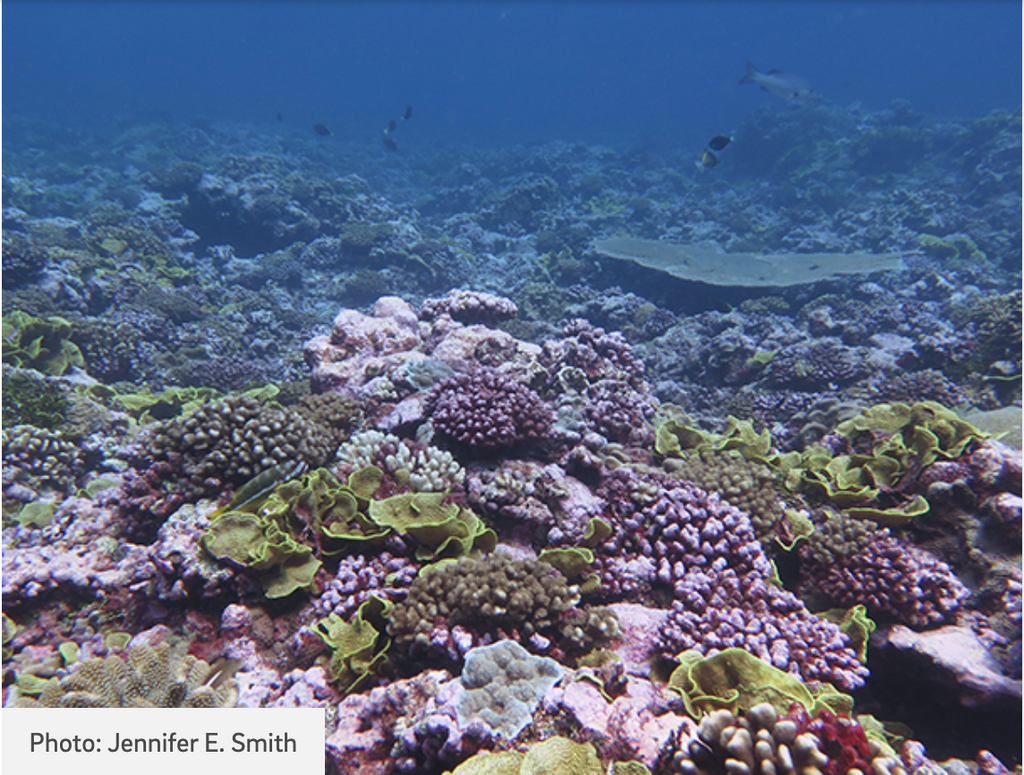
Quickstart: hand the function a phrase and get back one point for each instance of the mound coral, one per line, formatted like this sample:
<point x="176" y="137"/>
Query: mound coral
<point x="520" y="597"/>
<point x="41" y="456"/>
<point x="503" y="684"/>
<point x="238" y="437"/>
<point x="487" y="410"/>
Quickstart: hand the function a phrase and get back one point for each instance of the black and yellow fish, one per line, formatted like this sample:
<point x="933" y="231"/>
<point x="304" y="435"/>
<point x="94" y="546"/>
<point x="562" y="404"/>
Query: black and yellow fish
<point x="708" y="158"/>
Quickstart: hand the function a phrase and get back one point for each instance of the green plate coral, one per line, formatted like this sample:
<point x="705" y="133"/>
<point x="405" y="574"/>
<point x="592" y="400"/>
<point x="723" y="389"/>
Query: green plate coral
<point x="358" y="647"/>
<point x="41" y="344"/>
<point x="737" y="680"/>
<point x="315" y="515"/>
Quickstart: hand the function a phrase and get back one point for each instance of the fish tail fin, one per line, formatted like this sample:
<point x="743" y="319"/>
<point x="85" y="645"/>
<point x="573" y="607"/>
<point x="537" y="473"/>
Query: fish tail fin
<point x="751" y="74"/>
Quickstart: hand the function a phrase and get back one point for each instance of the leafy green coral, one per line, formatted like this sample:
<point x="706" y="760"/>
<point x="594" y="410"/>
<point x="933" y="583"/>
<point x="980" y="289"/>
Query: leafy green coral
<point x="257" y="542"/>
<point x="441" y="531"/>
<point x="737" y="680"/>
<point x="315" y="515"/>
<point x="892" y="442"/>
<point x="554" y="756"/>
<point x="888" y="443"/>
<point x="676" y="439"/>
<point x="41" y="344"/>
<point x="358" y="647"/>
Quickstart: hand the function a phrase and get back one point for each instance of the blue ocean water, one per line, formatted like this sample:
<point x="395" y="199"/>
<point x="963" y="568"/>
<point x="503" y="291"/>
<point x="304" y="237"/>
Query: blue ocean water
<point x="494" y="73"/>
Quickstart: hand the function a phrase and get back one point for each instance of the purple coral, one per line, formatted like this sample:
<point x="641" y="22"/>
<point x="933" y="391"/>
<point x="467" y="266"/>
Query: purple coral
<point x="358" y="577"/>
<point x="486" y="410"/>
<point x="852" y="562"/>
<point x="671" y="534"/>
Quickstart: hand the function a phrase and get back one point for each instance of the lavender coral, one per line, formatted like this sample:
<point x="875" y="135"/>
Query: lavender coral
<point x="672" y="534"/>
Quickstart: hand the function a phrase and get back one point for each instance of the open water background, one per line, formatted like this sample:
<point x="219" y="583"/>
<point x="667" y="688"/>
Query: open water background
<point x="496" y="73"/>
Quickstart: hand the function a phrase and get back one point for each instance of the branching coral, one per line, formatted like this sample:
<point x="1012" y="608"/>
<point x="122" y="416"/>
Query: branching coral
<point x="749" y="485"/>
<point x="760" y="742"/>
<point x="853" y="561"/>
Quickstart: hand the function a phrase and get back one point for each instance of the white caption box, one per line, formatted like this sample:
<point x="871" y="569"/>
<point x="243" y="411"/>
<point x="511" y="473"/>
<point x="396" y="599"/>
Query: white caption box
<point x="163" y="741"/>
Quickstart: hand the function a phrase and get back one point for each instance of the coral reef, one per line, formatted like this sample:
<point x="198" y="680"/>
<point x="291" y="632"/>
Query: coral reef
<point x="484" y="463"/>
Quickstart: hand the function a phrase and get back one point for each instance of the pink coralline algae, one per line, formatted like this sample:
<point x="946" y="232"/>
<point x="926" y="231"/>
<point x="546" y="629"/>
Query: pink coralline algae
<point x="487" y="410"/>
<point x="369" y="357"/>
<point x="670" y="534"/>
<point x="470" y="307"/>
<point x="895" y="580"/>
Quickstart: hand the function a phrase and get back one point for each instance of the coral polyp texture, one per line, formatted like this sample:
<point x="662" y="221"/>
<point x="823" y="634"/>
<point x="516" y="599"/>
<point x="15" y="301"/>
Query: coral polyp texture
<point x="854" y="562"/>
<point x="487" y="410"/>
<point x="291" y="423"/>
<point x="147" y="677"/>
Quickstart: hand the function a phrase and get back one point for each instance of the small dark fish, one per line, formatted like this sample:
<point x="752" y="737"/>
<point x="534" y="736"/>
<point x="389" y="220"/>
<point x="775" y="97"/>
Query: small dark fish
<point x="708" y="159"/>
<point x="321" y="130"/>
<point x="408" y="113"/>
<point x="389" y="143"/>
<point x="718" y="142"/>
<point x="391" y="127"/>
<point x="279" y="116"/>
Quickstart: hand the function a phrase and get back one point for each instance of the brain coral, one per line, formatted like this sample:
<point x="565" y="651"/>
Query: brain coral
<point x="487" y="410"/>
